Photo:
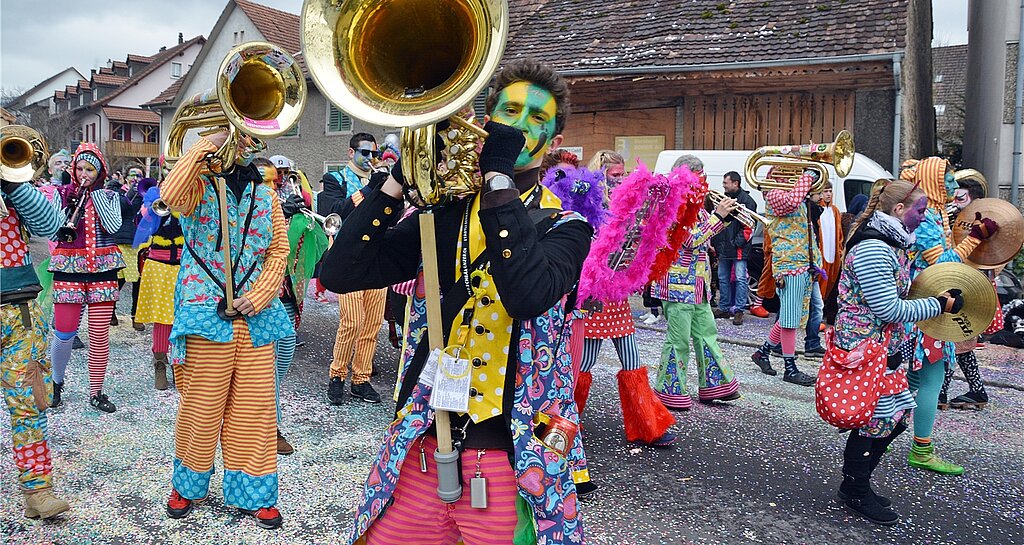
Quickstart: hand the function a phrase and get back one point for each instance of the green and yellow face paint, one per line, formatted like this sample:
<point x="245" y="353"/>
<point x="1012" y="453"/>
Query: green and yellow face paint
<point x="532" y="109"/>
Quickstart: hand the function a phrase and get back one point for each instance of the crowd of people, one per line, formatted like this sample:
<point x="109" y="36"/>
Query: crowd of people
<point x="219" y="263"/>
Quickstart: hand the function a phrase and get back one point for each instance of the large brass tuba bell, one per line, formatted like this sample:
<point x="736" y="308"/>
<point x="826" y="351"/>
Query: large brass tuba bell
<point x="260" y="92"/>
<point x="23" y="155"/>
<point x="790" y="162"/>
<point x="410" y="64"/>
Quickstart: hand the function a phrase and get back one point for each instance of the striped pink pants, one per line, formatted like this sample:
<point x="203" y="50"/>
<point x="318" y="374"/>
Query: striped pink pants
<point x="417" y="511"/>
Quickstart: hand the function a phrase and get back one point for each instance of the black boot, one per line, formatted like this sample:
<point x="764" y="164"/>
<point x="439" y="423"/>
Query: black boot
<point x="794" y="375"/>
<point x="58" y="387"/>
<point x="855" y="491"/>
<point x="761" y="359"/>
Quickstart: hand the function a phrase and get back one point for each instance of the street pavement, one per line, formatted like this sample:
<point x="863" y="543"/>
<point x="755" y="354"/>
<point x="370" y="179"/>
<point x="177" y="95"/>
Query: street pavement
<point x="763" y="469"/>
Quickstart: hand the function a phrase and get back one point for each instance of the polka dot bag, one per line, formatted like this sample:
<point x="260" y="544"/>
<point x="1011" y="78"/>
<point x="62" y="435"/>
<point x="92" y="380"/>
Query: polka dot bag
<point x="850" y="382"/>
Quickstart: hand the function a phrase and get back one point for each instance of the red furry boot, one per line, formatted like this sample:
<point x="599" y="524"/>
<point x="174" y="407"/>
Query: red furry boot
<point x="582" y="390"/>
<point x="644" y="416"/>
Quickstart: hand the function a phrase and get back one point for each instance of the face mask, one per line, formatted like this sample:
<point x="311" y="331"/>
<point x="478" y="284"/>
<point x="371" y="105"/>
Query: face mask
<point x="531" y="109"/>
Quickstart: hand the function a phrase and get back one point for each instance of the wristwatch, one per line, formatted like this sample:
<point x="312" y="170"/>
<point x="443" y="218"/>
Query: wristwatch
<point x="499" y="182"/>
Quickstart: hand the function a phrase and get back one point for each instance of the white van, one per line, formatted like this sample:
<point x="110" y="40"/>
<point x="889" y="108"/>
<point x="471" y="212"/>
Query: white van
<point x="717" y="162"/>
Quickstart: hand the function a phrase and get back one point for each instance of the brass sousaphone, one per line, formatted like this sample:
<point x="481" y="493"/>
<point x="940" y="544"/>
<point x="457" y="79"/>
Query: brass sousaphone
<point x="789" y="162"/>
<point x="979" y="301"/>
<point x="411" y="64"/>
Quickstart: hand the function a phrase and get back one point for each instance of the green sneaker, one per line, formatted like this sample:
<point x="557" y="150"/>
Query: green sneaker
<point x="925" y="458"/>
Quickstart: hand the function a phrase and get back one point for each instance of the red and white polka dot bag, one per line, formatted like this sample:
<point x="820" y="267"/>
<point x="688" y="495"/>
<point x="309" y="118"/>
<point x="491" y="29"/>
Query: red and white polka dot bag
<point x="850" y="382"/>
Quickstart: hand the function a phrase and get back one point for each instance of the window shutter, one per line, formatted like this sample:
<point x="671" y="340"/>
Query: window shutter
<point x="338" y="121"/>
<point x="480" y="104"/>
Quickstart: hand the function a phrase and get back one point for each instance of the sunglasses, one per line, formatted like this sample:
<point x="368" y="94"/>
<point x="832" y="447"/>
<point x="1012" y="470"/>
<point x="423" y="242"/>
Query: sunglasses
<point x="369" y="152"/>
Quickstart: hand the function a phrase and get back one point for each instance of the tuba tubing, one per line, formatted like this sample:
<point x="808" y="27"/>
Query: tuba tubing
<point x="790" y="162"/>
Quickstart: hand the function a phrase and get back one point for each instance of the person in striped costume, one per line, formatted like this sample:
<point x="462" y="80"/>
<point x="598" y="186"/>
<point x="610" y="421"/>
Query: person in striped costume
<point x="933" y="244"/>
<point x="223" y="365"/>
<point x="85" y="271"/>
<point x="685" y="294"/>
<point x="873" y="283"/>
<point x="27" y="383"/>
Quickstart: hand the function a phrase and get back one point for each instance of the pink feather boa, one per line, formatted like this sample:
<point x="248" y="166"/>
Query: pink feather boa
<point x="694" y="192"/>
<point x="598" y="280"/>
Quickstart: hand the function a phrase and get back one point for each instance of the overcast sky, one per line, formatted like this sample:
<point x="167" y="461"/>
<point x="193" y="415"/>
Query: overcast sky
<point x="39" y="38"/>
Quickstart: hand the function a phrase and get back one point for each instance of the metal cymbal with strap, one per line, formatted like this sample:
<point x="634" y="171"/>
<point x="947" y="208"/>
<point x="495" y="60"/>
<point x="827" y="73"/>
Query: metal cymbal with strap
<point x="1002" y="246"/>
<point x="979" y="301"/>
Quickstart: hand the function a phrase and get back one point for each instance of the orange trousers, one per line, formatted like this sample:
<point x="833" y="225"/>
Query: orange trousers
<point x="227" y="397"/>
<point x="360" y="316"/>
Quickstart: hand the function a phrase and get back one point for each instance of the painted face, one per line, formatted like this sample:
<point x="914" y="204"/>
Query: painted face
<point x="951" y="185"/>
<point x="613" y="174"/>
<point x="913" y="215"/>
<point x="85" y="173"/>
<point x="60" y="164"/>
<point x="961" y="198"/>
<point x="531" y="109"/>
<point x="361" y="155"/>
<point x="268" y="174"/>
<point x="133" y="177"/>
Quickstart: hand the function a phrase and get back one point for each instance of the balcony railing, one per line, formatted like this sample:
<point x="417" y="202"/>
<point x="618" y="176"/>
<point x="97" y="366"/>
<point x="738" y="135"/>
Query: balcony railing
<point x="117" y="148"/>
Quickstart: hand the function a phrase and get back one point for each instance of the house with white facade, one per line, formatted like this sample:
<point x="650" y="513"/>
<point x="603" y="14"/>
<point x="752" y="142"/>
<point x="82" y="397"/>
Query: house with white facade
<point x="105" y="108"/>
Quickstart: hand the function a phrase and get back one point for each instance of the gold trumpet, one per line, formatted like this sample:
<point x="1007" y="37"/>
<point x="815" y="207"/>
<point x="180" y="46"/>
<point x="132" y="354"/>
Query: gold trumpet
<point x="438" y="57"/>
<point x="790" y="162"/>
<point x="331" y="223"/>
<point x="23" y="155"/>
<point x="744" y="215"/>
<point x="160" y="208"/>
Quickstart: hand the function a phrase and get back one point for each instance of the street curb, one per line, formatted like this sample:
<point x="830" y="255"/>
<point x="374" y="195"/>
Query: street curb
<point x="755" y="344"/>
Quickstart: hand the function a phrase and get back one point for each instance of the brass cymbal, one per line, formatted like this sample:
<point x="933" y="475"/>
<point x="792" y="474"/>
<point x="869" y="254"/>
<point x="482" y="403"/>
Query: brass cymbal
<point x="1002" y="246"/>
<point x="979" y="300"/>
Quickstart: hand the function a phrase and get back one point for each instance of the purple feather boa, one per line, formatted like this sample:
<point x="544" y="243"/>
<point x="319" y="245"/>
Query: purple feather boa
<point x="580" y="190"/>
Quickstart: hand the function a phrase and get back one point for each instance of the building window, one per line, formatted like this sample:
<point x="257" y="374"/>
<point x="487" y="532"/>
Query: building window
<point x="940" y="109"/>
<point x="938" y="78"/>
<point x="239" y="36"/>
<point x="120" y="132"/>
<point x="175" y="69"/>
<point x="337" y="121"/>
<point x="294" y="131"/>
<point x="95" y="93"/>
<point x="333" y="166"/>
<point x="81" y="100"/>
<point x="150" y="134"/>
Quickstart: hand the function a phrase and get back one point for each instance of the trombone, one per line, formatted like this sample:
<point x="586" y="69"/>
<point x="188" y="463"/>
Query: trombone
<point x="23" y="155"/>
<point x="744" y="215"/>
<point x="790" y="162"/>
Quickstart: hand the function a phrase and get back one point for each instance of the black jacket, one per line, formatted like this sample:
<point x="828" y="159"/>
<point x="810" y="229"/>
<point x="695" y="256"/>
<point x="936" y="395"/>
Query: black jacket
<point x="131" y="202"/>
<point x="731" y="240"/>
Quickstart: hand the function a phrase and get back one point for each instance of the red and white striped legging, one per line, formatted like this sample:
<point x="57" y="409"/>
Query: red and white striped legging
<point x="66" y="318"/>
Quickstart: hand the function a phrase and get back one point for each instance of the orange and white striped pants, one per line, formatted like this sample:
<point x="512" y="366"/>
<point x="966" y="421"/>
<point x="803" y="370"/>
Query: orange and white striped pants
<point x="361" y="314"/>
<point x="227" y="395"/>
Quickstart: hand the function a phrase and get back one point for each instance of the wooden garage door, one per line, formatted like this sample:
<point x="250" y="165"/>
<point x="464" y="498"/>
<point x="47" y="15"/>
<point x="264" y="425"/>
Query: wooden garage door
<point x="750" y="121"/>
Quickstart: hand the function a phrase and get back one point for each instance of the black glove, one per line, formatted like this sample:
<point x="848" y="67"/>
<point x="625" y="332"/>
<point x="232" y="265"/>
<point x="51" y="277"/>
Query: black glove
<point x="292" y="205"/>
<point x="377" y="179"/>
<point x="895" y="361"/>
<point x="951" y="301"/>
<point x="501" y="149"/>
<point x="396" y="173"/>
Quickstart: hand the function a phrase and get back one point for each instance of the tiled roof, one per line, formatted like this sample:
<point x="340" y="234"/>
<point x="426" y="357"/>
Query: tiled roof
<point x="59" y="95"/>
<point x="83" y="84"/>
<point x="105" y="79"/>
<point x="131" y="115"/>
<point x="71" y="89"/>
<point x="159" y="60"/>
<point x="139" y="58"/>
<point x="166" y="96"/>
<point x="278" y="27"/>
<point x="120" y="64"/>
<point x="7" y="116"/>
<point x="596" y="34"/>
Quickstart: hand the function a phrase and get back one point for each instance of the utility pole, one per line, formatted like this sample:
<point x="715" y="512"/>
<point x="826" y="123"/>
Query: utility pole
<point x="986" y="79"/>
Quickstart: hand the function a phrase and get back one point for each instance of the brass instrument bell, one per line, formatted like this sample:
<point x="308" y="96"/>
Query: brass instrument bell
<point x="23" y="155"/>
<point x="790" y="162"/>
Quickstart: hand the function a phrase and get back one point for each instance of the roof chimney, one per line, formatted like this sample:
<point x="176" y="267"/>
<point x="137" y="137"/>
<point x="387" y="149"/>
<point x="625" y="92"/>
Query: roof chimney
<point x="181" y="38"/>
<point x="163" y="48"/>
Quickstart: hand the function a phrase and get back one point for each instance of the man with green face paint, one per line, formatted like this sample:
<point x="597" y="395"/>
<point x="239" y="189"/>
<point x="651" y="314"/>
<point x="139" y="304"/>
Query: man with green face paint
<point x="509" y="259"/>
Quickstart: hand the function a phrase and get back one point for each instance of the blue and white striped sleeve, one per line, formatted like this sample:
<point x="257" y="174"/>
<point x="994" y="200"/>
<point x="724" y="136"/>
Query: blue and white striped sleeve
<point x="108" y="207"/>
<point x="38" y="215"/>
<point x="875" y="265"/>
